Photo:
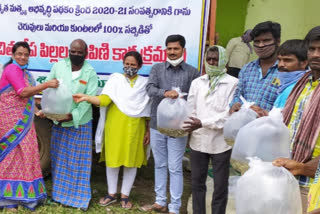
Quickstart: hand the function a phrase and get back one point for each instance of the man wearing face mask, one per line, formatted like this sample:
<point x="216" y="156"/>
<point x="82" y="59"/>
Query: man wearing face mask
<point x="258" y="80"/>
<point x="71" y="141"/>
<point x="168" y="151"/>
<point x="292" y="62"/>
<point x="208" y="101"/>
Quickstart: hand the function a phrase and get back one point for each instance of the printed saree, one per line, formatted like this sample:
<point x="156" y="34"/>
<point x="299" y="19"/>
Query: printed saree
<point x="21" y="181"/>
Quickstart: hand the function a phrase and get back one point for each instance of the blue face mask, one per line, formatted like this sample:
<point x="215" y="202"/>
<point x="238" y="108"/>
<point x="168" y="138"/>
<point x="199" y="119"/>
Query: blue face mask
<point x="288" y="78"/>
<point x="22" y="67"/>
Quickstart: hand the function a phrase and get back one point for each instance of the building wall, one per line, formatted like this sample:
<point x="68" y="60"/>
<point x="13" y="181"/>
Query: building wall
<point x="230" y="19"/>
<point x="296" y="17"/>
<point x="289" y="13"/>
<point x="311" y="15"/>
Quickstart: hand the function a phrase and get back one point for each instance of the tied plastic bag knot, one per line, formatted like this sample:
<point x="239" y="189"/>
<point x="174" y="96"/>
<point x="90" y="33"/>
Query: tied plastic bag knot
<point x="276" y="114"/>
<point x="266" y="189"/>
<point x="246" y="104"/>
<point x="171" y="114"/>
<point x="178" y="90"/>
<point x="56" y="103"/>
<point x="237" y="120"/>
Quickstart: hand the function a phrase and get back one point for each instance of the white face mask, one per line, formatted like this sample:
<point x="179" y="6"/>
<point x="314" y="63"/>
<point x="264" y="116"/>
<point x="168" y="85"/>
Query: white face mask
<point x="175" y="62"/>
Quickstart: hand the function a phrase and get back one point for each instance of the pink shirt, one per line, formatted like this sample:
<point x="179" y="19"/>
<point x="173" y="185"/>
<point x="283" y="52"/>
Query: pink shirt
<point x="13" y="75"/>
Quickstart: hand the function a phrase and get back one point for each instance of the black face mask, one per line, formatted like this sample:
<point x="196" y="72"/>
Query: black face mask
<point x="76" y="59"/>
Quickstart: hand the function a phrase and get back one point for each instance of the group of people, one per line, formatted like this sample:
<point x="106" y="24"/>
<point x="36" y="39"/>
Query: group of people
<point x="20" y="177"/>
<point x="287" y="77"/>
<point x="284" y="76"/>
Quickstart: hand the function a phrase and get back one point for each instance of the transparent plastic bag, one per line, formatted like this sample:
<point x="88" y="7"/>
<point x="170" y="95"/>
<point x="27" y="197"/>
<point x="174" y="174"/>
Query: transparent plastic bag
<point x="267" y="138"/>
<point x="237" y="120"/>
<point x="266" y="189"/>
<point x="233" y="180"/>
<point x="171" y="114"/>
<point x="56" y="103"/>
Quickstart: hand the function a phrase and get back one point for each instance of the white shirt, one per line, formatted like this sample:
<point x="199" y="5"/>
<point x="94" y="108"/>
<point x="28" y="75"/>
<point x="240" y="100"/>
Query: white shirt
<point x="238" y="53"/>
<point x="76" y="74"/>
<point x="212" y="111"/>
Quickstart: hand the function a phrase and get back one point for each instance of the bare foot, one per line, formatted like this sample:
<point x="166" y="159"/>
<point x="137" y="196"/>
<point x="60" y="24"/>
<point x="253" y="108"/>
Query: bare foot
<point x="12" y="209"/>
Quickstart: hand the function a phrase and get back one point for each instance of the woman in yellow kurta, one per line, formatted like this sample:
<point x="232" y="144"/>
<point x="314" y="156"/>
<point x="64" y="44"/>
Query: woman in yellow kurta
<point x="126" y="128"/>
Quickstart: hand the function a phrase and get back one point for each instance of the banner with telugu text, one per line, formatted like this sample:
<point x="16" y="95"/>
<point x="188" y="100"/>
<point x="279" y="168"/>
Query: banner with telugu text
<point x="110" y="28"/>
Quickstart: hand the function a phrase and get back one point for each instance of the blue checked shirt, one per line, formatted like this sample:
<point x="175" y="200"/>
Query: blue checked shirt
<point x="256" y="88"/>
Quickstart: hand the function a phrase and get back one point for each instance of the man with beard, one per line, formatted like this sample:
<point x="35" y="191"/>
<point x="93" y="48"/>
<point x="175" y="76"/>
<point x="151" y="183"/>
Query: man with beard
<point x="292" y="62"/>
<point x="71" y="141"/>
<point x="302" y="115"/>
<point x="168" y="151"/>
<point x="258" y="81"/>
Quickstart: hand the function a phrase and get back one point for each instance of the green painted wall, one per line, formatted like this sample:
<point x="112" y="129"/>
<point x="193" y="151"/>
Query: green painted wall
<point x="296" y="17"/>
<point x="311" y="15"/>
<point x="230" y="19"/>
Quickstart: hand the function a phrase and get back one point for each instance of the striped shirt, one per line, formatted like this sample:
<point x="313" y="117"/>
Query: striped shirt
<point x="295" y="122"/>
<point x="256" y="88"/>
<point x="317" y="176"/>
<point x="162" y="78"/>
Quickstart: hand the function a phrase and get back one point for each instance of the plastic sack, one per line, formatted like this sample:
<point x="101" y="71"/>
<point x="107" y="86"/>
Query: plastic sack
<point x="266" y="189"/>
<point x="56" y="103"/>
<point x="233" y="180"/>
<point x="99" y="136"/>
<point x="267" y="138"/>
<point x="237" y="120"/>
<point x="171" y="114"/>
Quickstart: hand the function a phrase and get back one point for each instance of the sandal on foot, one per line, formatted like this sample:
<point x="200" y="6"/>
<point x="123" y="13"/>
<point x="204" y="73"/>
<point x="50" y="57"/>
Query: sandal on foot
<point x="110" y="200"/>
<point x="127" y="204"/>
<point x="154" y="207"/>
<point x="161" y="209"/>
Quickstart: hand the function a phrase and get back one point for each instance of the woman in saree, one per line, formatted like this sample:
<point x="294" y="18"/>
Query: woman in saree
<point x="21" y="181"/>
<point x="126" y="126"/>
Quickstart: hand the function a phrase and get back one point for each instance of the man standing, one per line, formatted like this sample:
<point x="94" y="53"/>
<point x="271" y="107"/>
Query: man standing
<point x="168" y="151"/>
<point x="258" y="80"/>
<point x="208" y="100"/>
<point x="71" y="141"/>
<point x="292" y="62"/>
<point x="238" y="51"/>
<point x="301" y="115"/>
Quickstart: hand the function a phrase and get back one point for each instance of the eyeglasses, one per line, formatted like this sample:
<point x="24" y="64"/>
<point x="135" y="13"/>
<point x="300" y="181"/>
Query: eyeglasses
<point x="22" y="54"/>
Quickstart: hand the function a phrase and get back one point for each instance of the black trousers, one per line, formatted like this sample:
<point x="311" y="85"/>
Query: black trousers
<point x="233" y="71"/>
<point x="199" y="170"/>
